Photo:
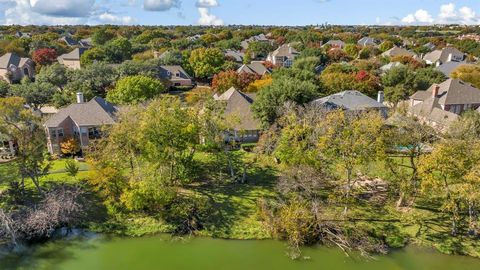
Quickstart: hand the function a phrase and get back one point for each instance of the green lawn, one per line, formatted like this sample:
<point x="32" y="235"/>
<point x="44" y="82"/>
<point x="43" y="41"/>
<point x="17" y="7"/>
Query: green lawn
<point x="57" y="174"/>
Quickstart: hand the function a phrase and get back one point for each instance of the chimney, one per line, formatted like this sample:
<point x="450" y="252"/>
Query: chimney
<point x="381" y="97"/>
<point x="450" y="57"/>
<point x="80" y="97"/>
<point x="435" y="90"/>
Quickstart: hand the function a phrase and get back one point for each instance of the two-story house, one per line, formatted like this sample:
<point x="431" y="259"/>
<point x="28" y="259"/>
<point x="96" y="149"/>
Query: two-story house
<point x="71" y="60"/>
<point x="175" y="76"/>
<point x="81" y="121"/>
<point x="443" y="56"/>
<point x="13" y="67"/>
<point x="246" y="127"/>
<point x="441" y="104"/>
<point x="283" y="56"/>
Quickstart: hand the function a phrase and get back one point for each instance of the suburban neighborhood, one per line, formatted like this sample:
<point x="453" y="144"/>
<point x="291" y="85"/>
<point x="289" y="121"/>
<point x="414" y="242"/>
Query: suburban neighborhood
<point x="363" y="140"/>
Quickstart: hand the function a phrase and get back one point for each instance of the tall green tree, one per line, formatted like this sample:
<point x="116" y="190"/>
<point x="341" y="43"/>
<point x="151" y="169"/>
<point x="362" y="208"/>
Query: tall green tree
<point x="135" y="89"/>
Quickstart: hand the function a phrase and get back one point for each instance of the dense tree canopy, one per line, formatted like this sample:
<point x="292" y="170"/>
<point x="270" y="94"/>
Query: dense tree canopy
<point x="135" y="89"/>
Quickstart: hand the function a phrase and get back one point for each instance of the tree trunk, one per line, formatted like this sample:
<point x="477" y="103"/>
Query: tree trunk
<point x="347" y="195"/>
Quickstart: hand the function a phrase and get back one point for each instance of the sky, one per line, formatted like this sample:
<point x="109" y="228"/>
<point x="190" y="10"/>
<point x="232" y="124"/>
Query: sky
<point x="245" y="12"/>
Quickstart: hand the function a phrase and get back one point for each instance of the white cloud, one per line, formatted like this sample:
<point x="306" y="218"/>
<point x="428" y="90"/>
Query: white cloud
<point x="207" y="3"/>
<point x="161" y="5"/>
<point x="410" y="18"/>
<point x="62" y="8"/>
<point x="21" y="12"/>
<point x="448" y="14"/>
<point x="208" y="19"/>
<point x="115" y="19"/>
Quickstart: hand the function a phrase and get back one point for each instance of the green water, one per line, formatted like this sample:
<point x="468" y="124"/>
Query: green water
<point x="204" y="253"/>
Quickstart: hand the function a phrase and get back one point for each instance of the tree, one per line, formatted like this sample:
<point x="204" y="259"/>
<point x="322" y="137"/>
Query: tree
<point x="226" y="79"/>
<point x="406" y="139"/>
<point x="468" y="73"/>
<point x="4" y="88"/>
<point x="70" y="146"/>
<point x="171" y="57"/>
<point x="350" y="141"/>
<point x="206" y="62"/>
<point x="386" y="45"/>
<point x="444" y="169"/>
<point x="259" y="49"/>
<point x="92" y="55"/>
<point x="22" y="126"/>
<point x="135" y="89"/>
<point x="101" y="36"/>
<point x="35" y="94"/>
<point x="259" y="84"/>
<point x="118" y="50"/>
<point x="467" y="127"/>
<point x="55" y="74"/>
<point x="293" y="85"/>
<point x="71" y="167"/>
<point x="352" y="50"/>
<point x="93" y="80"/>
<point x="45" y="56"/>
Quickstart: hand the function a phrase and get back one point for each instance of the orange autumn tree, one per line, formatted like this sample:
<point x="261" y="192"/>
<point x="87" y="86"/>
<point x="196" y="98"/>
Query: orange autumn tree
<point x="69" y="146"/>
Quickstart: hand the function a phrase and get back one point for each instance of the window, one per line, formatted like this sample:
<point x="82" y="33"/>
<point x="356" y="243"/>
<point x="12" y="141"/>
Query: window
<point x="94" y="133"/>
<point x="25" y="71"/>
<point x="60" y="132"/>
<point x="177" y="74"/>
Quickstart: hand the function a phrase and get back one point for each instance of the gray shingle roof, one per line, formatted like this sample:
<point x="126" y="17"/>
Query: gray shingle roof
<point x="448" y="67"/>
<point x="451" y="92"/>
<point x="349" y="100"/>
<point x="73" y="55"/>
<point x="96" y="112"/>
<point x="12" y="59"/>
<point x="443" y="55"/>
<point x="254" y="68"/>
<point x="397" y="51"/>
<point x="170" y="72"/>
<point x="238" y="105"/>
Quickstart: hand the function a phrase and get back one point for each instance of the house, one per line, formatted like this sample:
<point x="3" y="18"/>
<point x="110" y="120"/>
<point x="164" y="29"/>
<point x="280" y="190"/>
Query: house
<point x="397" y="51"/>
<point x="367" y="41"/>
<point x="352" y="100"/>
<point x="81" y="121"/>
<point x="258" y="38"/>
<point x="441" y="104"/>
<point x="7" y="145"/>
<point x="335" y="44"/>
<point x="390" y="65"/>
<point x="13" y="67"/>
<point x="283" y="56"/>
<point x="19" y="34"/>
<point x="444" y="55"/>
<point x="68" y="40"/>
<point x="175" y="76"/>
<point x="71" y="60"/>
<point x="474" y="37"/>
<point x="430" y="46"/>
<point x="254" y="68"/>
<point x="448" y="67"/>
<point x="194" y="38"/>
<point x="238" y="107"/>
<point x="237" y="56"/>
<point x="86" y="43"/>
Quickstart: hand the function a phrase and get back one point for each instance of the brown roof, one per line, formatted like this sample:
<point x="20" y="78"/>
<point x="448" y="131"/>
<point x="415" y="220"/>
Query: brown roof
<point x="397" y="51"/>
<point x="238" y="105"/>
<point x="431" y="111"/>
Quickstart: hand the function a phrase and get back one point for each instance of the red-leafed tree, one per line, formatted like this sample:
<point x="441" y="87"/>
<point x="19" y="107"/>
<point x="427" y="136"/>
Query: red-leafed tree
<point x="44" y="56"/>
<point x="226" y="79"/>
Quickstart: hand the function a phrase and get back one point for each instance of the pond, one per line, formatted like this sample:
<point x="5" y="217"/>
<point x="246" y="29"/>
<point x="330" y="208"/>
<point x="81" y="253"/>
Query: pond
<point x="161" y="252"/>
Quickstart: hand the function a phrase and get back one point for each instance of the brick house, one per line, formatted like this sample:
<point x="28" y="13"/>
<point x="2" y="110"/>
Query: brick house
<point x="82" y="121"/>
<point x="442" y="104"/>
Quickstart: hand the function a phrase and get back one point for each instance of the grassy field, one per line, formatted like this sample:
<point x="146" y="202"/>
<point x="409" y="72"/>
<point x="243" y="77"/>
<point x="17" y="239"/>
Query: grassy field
<point x="57" y="174"/>
<point x="235" y="206"/>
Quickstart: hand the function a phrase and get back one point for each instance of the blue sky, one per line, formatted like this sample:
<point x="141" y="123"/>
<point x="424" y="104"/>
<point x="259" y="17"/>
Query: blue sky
<point x="218" y="12"/>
